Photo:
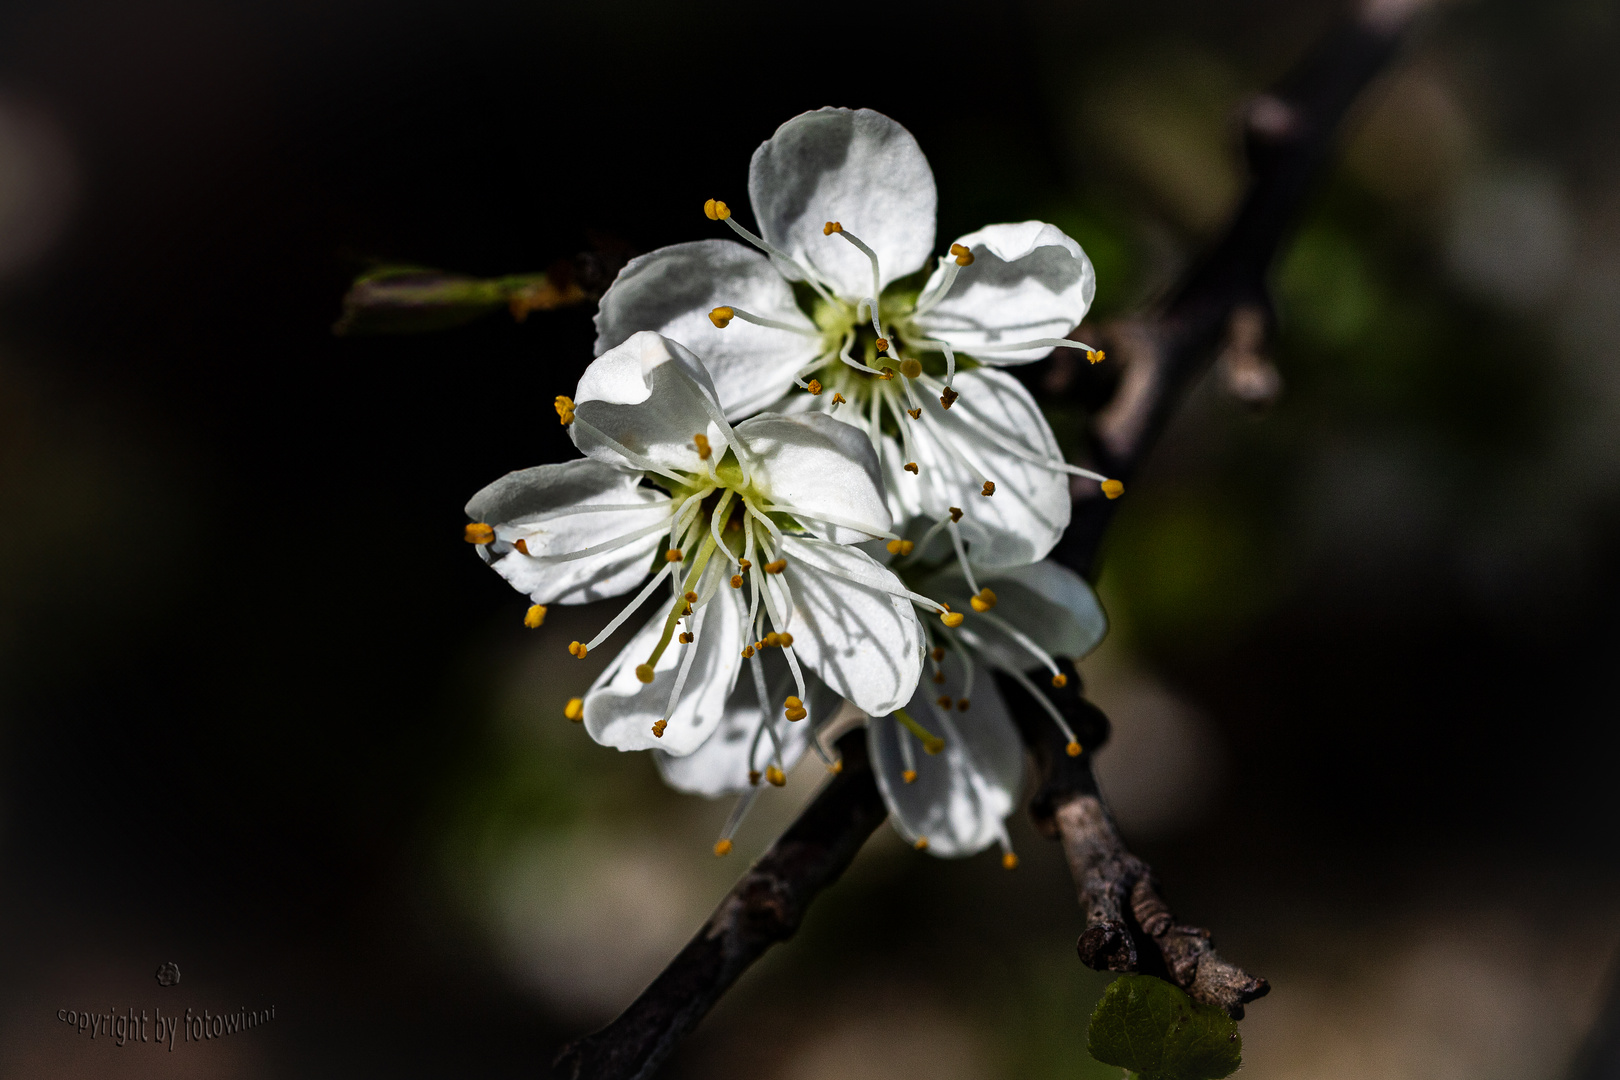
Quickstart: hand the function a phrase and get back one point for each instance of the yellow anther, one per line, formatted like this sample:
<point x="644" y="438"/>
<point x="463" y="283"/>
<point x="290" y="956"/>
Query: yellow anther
<point x="1113" y="488"/>
<point x="672" y="555"/>
<point x="814" y="386"/>
<point x="703" y="447"/>
<point x="953" y="619"/>
<point x="989" y="488"/>
<point x="722" y="847"/>
<point x="736" y="581"/>
<point x="948" y="398"/>
<point x="921" y="844"/>
<point x="685" y="639"/>
<point x="786" y="641"/>
<point x="753" y="777"/>
<point x="962" y="704"/>
<point x="691" y="597"/>
<point x="748" y="650"/>
<point x="776" y="567"/>
<point x="577" y="648"/>
<point x="776" y="777"/>
<point x="772" y="640"/>
<point x="956" y="513"/>
<point x="721" y="317"/>
<point x="901" y="547"/>
<point x="914" y="413"/>
<point x="830" y="228"/>
<point x="1009" y="861"/>
<point x="575" y="709"/>
<point x="839" y="399"/>
<point x="911" y="368"/>
<point x="1060" y="680"/>
<point x="796" y="714"/>
<point x="944" y="702"/>
<point x="521" y="545"/>
<point x="715" y="210"/>
<point x="658" y="729"/>
<point x="479" y="533"/>
<point x="644" y="672"/>
<point x="909" y="776"/>
<point x="1096" y="356"/>
<point x="1073" y="749"/>
<point x="886" y="374"/>
<point x="910" y="467"/>
<point x="964" y="257"/>
<point x="939" y="676"/>
<point x="836" y="767"/>
<point x="792" y="702"/>
<point x="745" y="564"/>
<point x="984" y="601"/>
<point x="535" y="616"/>
<point x="565" y="409"/>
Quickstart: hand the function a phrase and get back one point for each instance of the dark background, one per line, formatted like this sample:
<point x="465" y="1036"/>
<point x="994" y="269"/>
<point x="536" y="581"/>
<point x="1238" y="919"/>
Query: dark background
<point x="262" y="714"/>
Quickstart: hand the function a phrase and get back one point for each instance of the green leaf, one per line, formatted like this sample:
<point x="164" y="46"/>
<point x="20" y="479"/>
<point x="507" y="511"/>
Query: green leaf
<point x="413" y="299"/>
<point x="1154" y="1029"/>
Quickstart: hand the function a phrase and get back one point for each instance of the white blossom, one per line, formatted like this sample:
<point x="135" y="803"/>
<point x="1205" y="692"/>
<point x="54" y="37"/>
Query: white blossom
<point x="748" y="532"/>
<point x="835" y="301"/>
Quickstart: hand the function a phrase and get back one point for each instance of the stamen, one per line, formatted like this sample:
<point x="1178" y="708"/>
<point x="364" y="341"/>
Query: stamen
<point x="715" y="210"/>
<point x="1009" y="861"/>
<point x="1113" y="488"/>
<point x="776" y="567"/>
<point x="877" y="277"/>
<point x="609" y="545"/>
<point x="961" y="551"/>
<point x="921" y="843"/>
<point x="643" y="463"/>
<point x="1032" y="343"/>
<point x="1074" y="748"/>
<point x="964" y="257"/>
<point x="814" y="386"/>
<point x="839" y="399"/>
<point x="932" y="743"/>
<point x="479" y="533"/>
<point x="848" y="523"/>
<point x="565" y="409"/>
<point x="983" y="601"/>
<point x="914" y="413"/>
<point x="521" y="545"/>
<point x="989" y="488"/>
<point x="619" y="619"/>
<point x="793" y="708"/>
<point x="900" y="547"/>
<point x="576" y="649"/>
<point x="722" y="212"/>
<point x="575" y="709"/>
<point x="738" y="812"/>
<point x="948" y="398"/>
<point x="1060" y="680"/>
<point x="1096" y="356"/>
<point x="673" y="555"/>
<point x="776" y="777"/>
<point x="1029" y="646"/>
<point x="535" y="617"/>
<point x="1008" y="446"/>
<point x="701" y="442"/>
<point x="721" y="316"/>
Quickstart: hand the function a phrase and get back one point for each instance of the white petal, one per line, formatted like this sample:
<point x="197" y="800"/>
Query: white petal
<point x="1027" y="280"/>
<point x="820" y="465"/>
<point x="720" y="766"/>
<point x="995" y="415"/>
<point x="545" y="507"/>
<point x="963" y="794"/>
<point x="856" y="167"/>
<point x="672" y="290"/>
<point x="848" y="627"/>
<point x="620" y="710"/>
<point x="646" y="395"/>
<point x="1049" y="603"/>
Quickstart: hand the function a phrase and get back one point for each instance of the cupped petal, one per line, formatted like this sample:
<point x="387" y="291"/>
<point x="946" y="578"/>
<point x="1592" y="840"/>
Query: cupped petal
<point x="1027" y="280"/>
<point x="620" y="709"/>
<point x="643" y="403"/>
<point x="1048" y="603"/>
<point x="557" y="510"/>
<point x="856" y="167"/>
<point x="991" y="433"/>
<point x="960" y="797"/>
<point x="721" y="765"/>
<point x="822" y="466"/>
<point x="852" y="624"/>
<point x="672" y="290"/>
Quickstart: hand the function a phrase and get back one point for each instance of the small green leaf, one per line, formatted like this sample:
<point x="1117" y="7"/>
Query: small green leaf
<point x="1154" y="1029"/>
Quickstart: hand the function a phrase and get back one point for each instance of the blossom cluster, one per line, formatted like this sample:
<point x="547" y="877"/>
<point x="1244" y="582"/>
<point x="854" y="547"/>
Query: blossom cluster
<point x="797" y="444"/>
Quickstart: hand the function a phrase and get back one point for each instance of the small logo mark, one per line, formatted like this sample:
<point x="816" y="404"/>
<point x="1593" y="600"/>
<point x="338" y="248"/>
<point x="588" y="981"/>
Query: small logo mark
<point x="168" y="974"/>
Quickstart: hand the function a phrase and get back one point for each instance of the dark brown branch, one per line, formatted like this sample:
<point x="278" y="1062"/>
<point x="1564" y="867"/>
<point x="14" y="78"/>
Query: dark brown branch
<point x="765" y="907"/>
<point x="1289" y="136"/>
